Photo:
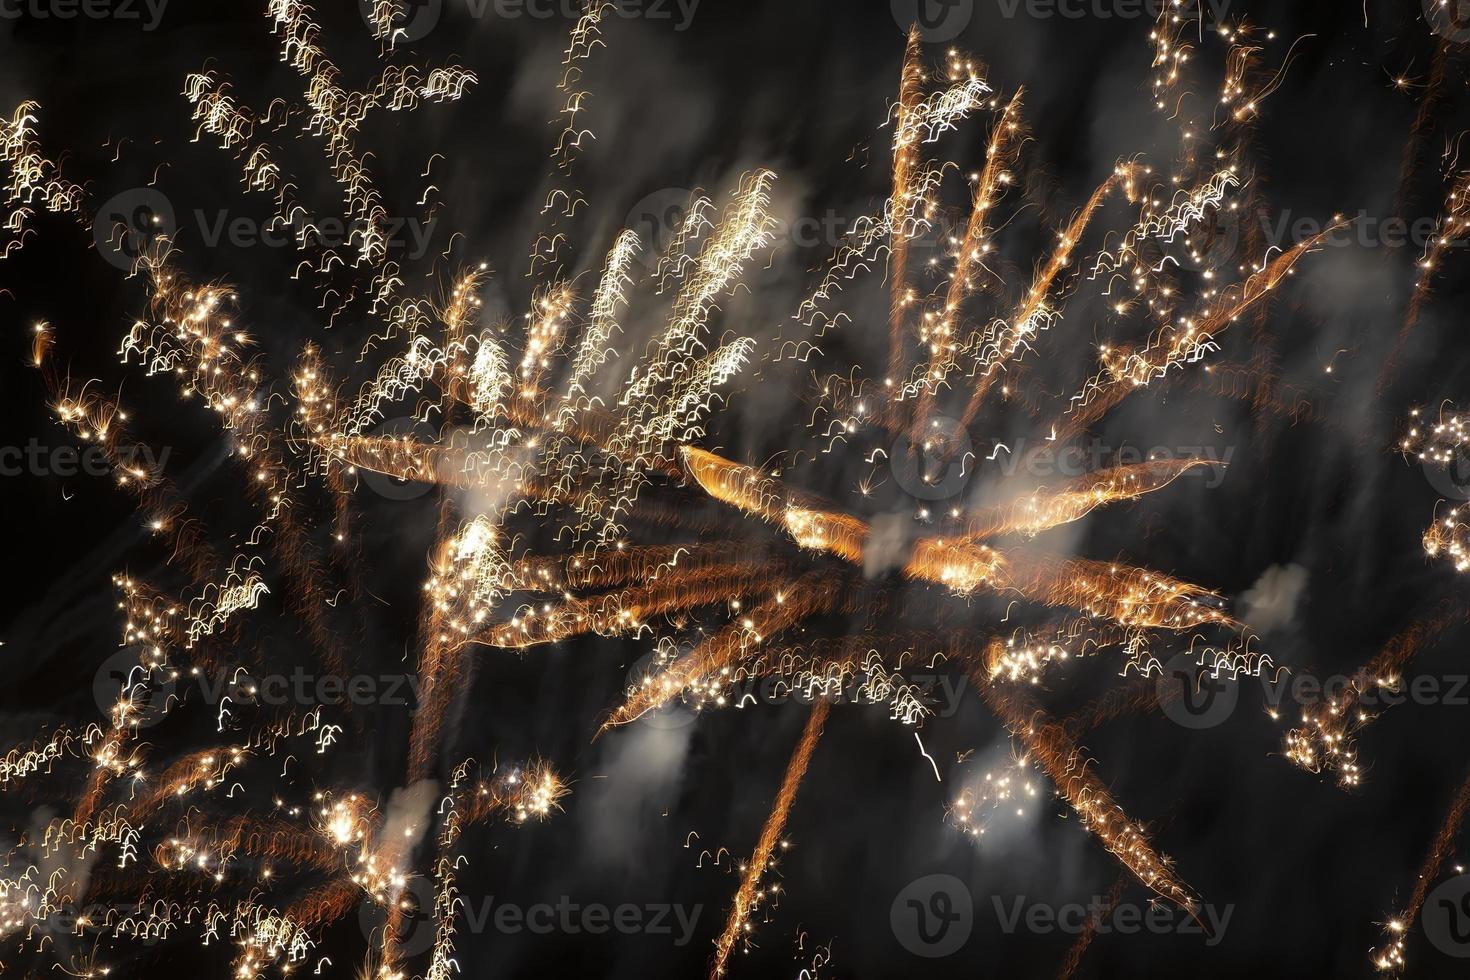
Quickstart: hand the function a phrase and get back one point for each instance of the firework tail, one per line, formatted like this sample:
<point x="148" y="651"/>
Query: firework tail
<point x="749" y="893"/>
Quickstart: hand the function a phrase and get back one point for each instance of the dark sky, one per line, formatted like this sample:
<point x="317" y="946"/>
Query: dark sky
<point x="692" y="97"/>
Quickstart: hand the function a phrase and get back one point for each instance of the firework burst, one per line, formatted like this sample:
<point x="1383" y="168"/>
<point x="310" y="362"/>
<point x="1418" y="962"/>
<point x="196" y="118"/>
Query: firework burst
<point x="583" y="490"/>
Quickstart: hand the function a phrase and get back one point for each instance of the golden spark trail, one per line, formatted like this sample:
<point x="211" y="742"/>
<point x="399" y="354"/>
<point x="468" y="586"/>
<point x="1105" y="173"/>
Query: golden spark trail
<point x="465" y="584"/>
<point x="1452" y="229"/>
<point x="1424" y="117"/>
<point x="1126" y="370"/>
<point x="1089" y="930"/>
<point x="1440" y="444"/>
<point x="31" y="179"/>
<point x="1045" y="509"/>
<point x="1049" y="744"/>
<point x="905" y="161"/>
<point x="1120" y="702"/>
<point x="101" y="422"/>
<point x="1390" y="959"/>
<point x="1131" y="596"/>
<point x="630" y="610"/>
<point x="720" y="654"/>
<point x="1031" y="316"/>
<point x="939" y="326"/>
<point x="750" y="893"/>
<point x="1326" y="738"/>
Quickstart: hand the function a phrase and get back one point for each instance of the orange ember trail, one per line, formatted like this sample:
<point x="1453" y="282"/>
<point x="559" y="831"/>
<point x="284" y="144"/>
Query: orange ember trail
<point x="750" y="892"/>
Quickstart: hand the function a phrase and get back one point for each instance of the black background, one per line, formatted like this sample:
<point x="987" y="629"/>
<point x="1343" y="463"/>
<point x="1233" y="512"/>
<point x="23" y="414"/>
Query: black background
<point x="802" y="88"/>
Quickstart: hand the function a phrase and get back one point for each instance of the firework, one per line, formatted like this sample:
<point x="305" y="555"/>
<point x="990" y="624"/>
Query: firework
<point x="581" y="491"/>
<point x="1391" y="958"/>
<point x="751" y="892"/>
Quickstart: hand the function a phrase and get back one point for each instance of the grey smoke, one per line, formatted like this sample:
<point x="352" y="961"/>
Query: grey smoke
<point x="1272" y="602"/>
<point x="407" y="817"/>
<point x="643" y="764"/>
<point x="890" y="541"/>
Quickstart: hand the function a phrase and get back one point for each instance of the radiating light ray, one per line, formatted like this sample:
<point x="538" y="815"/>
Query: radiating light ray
<point x="751" y="891"/>
<point x="1061" y="759"/>
<point x="1391" y="957"/>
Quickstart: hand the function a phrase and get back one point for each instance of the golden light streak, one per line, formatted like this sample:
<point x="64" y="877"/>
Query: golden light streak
<point x="750" y="893"/>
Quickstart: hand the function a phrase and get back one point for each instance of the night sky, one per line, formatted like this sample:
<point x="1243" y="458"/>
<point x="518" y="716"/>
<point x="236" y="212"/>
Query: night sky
<point x="1314" y="527"/>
